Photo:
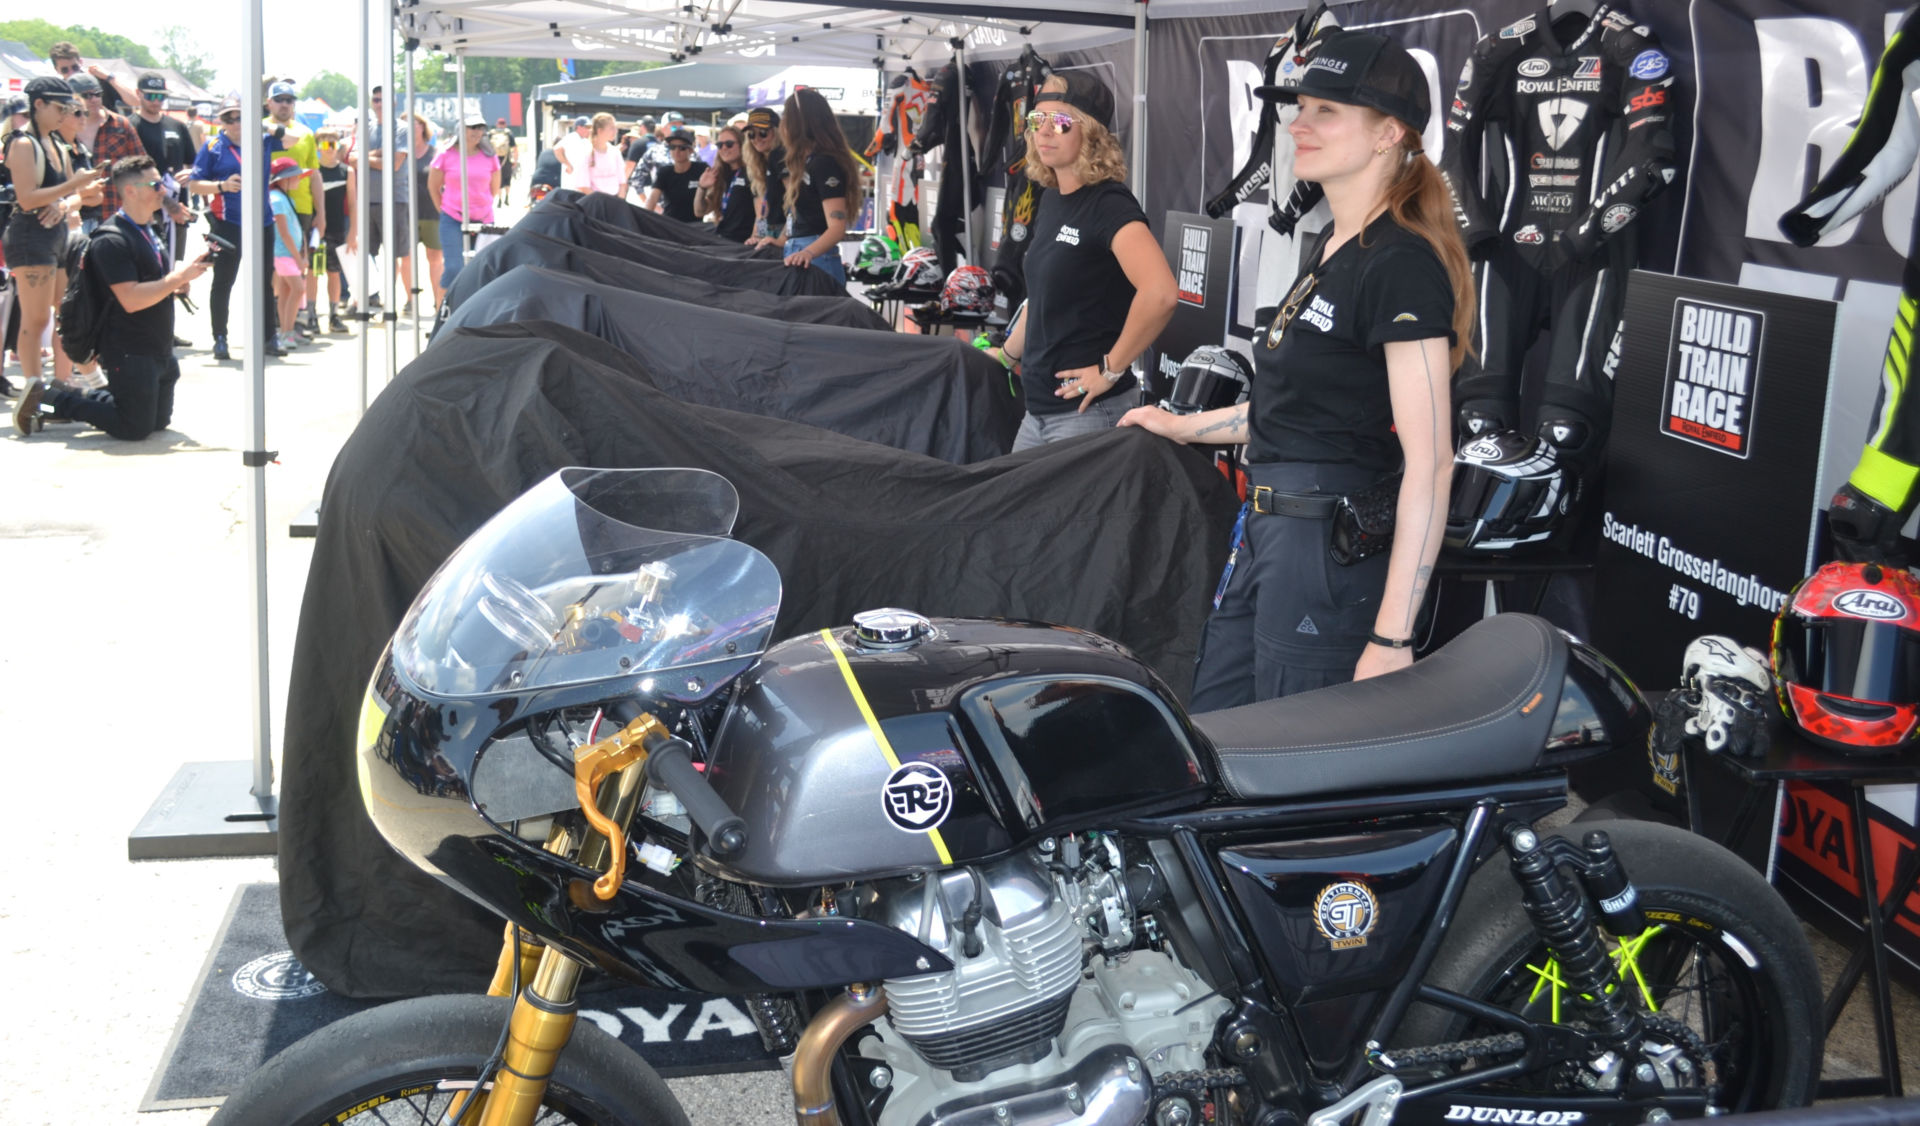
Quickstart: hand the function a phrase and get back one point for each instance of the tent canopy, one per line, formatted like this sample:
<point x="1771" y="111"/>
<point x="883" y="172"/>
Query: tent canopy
<point x="848" y="90"/>
<point x="708" y="86"/>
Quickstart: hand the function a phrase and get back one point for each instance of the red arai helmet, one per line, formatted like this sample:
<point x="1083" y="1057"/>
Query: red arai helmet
<point x="1846" y="658"/>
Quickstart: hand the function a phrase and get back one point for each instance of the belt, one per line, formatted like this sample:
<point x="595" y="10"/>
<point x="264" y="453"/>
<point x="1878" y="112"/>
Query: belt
<point x="1305" y="506"/>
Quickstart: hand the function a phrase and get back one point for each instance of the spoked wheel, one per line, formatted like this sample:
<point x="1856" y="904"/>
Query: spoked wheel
<point x="409" y="1062"/>
<point x="1723" y="976"/>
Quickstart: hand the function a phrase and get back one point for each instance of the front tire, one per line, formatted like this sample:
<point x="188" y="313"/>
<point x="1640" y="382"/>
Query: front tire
<point x="1725" y="956"/>
<point x="405" y="1062"/>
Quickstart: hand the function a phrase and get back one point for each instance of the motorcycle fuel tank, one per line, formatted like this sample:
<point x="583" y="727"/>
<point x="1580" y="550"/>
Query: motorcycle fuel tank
<point x="879" y="751"/>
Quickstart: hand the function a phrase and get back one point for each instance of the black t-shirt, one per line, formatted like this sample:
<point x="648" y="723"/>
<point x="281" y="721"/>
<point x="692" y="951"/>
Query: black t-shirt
<point x="1320" y="394"/>
<point x="776" y="190"/>
<point x="677" y="189"/>
<point x="1077" y="294"/>
<point x="736" y="208"/>
<point x="334" y="180"/>
<point x="130" y="257"/>
<point x="167" y="141"/>
<point x="822" y="180"/>
<point x="636" y="150"/>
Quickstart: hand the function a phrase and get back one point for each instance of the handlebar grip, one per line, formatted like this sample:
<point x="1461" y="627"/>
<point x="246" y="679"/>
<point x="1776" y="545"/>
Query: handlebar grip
<point x="670" y="765"/>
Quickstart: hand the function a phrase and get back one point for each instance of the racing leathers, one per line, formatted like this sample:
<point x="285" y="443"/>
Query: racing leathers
<point x="1007" y="148"/>
<point x="1295" y="209"/>
<point x="1867" y="514"/>
<point x="1558" y="136"/>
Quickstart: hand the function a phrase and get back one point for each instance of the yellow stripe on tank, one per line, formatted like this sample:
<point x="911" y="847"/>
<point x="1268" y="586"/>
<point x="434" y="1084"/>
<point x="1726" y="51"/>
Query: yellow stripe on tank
<point x="873" y="725"/>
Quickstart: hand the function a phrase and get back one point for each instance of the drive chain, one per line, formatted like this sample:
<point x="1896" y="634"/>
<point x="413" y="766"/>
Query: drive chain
<point x="1199" y="1083"/>
<point x="1459" y="1051"/>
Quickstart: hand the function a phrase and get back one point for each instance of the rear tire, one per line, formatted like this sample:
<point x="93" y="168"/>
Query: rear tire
<point x="406" y="1061"/>
<point x="1740" y="970"/>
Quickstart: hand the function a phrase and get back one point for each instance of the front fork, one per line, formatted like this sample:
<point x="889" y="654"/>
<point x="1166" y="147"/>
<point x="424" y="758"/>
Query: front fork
<point x="545" y="1010"/>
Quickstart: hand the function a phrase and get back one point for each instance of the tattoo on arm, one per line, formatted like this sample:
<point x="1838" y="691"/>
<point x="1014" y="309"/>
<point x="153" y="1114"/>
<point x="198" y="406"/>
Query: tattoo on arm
<point x="1233" y="421"/>
<point x="837" y="215"/>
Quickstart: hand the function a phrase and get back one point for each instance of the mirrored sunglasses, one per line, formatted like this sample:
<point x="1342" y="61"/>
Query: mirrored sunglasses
<point x="757" y="134"/>
<point x="1061" y="122"/>
<point x="153" y="96"/>
<point x="229" y="118"/>
<point x="726" y="144"/>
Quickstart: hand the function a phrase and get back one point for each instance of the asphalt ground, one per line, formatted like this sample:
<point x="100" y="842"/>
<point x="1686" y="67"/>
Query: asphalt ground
<point x="125" y="654"/>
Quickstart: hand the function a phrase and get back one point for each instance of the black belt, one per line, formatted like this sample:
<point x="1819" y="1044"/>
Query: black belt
<point x="1306" y="506"/>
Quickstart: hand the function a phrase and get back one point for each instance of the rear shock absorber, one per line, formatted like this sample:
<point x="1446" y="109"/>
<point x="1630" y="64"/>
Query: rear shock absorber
<point x="1558" y="909"/>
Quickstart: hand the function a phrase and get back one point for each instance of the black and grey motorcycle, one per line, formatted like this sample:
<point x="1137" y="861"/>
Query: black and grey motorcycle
<point x="989" y="873"/>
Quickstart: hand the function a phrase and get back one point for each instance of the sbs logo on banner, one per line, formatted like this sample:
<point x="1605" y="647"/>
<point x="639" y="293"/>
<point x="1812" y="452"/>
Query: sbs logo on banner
<point x="1713" y="369"/>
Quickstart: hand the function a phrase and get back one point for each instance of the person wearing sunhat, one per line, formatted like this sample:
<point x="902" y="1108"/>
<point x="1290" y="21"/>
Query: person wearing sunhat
<point x="1098" y="287"/>
<point x="1351" y="387"/>
<point x="463" y="200"/>
<point x="47" y="189"/>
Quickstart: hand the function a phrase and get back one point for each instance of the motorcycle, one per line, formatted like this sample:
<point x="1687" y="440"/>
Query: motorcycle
<point x="989" y="872"/>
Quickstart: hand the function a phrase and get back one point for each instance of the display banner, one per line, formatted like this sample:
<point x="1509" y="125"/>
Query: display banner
<point x="1817" y="852"/>
<point x="1711" y="468"/>
<point x="1200" y="251"/>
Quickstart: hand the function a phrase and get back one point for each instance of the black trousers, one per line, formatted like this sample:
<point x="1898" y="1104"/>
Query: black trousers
<point x="1290" y="619"/>
<point x="226" y="270"/>
<point x="138" y="399"/>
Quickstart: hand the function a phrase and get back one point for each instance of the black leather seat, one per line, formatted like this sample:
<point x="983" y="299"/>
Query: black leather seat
<point x="1480" y="707"/>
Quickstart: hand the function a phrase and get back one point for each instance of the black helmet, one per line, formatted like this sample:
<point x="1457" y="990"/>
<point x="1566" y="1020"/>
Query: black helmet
<point x="916" y="278"/>
<point x="1509" y="493"/>
<point x="1209" y="378"/>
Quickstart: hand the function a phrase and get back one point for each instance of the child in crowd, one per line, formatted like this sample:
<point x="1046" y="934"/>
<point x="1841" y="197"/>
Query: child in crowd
<point x="289" y="283"/>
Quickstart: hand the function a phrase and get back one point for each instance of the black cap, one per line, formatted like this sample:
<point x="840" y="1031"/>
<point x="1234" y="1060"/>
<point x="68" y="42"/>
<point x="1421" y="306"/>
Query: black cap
<point x="1359" y="68"/>
<point x="681" y="136"/>
<point x="1084" y="92"/>
<point x="151" y="81"/>
<point x="763" y="118"/>
<point x="48" y="89"/>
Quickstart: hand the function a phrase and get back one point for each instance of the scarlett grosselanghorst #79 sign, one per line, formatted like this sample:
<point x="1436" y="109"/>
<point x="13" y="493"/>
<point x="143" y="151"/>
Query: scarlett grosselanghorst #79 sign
<point x="1712" y="467"/>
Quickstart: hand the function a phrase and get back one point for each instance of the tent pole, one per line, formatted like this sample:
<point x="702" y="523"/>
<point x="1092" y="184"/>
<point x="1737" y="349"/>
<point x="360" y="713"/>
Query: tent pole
<point x="253" y="215"/>
<point x="966" y="163"/>
<point x="390" y="308"/>
<point x="361" y="178"/>
<point x="460" y="96"/>
<point x="1137" y="173"/>
<point x="414" y="212"/>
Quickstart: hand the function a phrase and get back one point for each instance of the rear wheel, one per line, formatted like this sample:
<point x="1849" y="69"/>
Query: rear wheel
<point x="407" y="1062"/>
<point x="1724" y="968"/>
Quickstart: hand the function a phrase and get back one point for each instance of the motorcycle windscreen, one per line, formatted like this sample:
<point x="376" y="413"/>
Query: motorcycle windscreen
<point x="593" y="575"/>
<point x="1852" y="659"/>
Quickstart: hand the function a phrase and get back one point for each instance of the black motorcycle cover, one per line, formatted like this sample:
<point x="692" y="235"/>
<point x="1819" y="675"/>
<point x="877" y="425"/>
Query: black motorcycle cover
<point x="770" y="275"/>
<point x="524" y="248"/>
<point x="1122" y="533"/>
<point x="612" y="209"/>
<point x="933" y="395"/>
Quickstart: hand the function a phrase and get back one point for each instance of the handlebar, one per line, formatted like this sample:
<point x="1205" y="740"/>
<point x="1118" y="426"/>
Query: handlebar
<point x="670" y="765"/>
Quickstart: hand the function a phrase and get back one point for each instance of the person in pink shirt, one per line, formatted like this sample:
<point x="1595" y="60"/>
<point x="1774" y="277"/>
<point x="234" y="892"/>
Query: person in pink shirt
<point x="472" y="202"/>
<point x="606" y="167"/>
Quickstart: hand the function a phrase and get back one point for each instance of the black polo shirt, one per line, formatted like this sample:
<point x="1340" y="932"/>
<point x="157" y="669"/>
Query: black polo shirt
<point x="822" y="180"/>
<point x="1077" y="294"/>
<point x="130" y="257"/>
<point x="736" y="208"/>
<point x="677" y="189"/>
<point x="1320" y="379"/>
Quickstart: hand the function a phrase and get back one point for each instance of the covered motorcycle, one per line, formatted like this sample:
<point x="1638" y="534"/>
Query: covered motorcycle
<point x="988" y="871"/>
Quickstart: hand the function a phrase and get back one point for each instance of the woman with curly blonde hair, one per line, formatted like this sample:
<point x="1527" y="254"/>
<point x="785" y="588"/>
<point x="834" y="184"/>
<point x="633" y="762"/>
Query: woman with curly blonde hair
<point x="1098" y="288"/>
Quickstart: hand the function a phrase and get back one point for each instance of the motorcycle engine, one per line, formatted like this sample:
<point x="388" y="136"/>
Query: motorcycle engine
<point x="1059" y="1007"/>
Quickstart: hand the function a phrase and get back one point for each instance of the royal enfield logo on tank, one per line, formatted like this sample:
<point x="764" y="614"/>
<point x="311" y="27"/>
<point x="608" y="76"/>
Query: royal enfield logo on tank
<point x="1711" y="371"/>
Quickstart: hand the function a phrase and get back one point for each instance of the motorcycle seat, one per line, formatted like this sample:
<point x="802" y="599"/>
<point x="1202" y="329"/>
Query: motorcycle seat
<point x="1479" y="707"/>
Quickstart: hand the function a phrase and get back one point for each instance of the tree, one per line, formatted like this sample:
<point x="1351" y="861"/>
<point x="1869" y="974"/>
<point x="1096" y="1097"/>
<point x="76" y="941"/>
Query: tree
<point x="181" y="51"/>
<point x="91" y="42"/>
<point x="337" y="90"/>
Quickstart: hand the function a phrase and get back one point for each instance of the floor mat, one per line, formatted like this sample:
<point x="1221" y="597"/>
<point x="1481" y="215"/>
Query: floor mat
<point x="254" y="999"/>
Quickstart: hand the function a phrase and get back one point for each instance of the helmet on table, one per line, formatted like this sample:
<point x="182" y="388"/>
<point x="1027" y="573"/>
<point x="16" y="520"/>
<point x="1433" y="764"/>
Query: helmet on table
<point x="916" y="278"/>
<point x="1209" y="378"/>
<point x="968" y="292"/>
<point x="1509" y="492"/>
<point x="1846" y="658"/>
<point x="876" y="259"/>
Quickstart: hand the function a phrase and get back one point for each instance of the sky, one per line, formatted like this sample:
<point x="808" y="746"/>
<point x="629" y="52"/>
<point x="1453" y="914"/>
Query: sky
<point x="301" y="39"/>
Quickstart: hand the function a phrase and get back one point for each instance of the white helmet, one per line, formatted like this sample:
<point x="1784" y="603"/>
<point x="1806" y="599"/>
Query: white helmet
<point x="1726" y="686"/>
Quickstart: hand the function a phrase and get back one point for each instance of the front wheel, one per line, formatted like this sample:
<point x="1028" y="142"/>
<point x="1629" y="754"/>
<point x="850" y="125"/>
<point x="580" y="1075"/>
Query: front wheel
<point x="408" y="1062"/>
<point x="1723" y="956"/>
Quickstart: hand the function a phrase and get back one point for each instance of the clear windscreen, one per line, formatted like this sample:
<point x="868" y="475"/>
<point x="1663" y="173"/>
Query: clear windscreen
<point x="593" y="574"/>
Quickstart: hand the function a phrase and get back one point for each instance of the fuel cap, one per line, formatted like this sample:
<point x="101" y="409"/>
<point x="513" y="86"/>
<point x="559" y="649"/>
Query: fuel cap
<point x="890" y="628"/>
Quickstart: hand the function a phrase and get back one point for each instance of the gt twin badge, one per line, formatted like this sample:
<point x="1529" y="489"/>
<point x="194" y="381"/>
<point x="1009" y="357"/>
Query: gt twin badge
<point x="917" y="798"/>
<point x="1345" y="913"/>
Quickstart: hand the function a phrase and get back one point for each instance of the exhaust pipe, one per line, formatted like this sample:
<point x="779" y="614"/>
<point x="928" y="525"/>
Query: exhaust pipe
<point x="846" y="1014"/>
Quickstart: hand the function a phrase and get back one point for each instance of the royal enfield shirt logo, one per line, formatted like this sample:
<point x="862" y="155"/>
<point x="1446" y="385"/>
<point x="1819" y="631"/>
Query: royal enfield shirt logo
<point x="276" y="977"/>
<point x="1345" y="913"/>
<point x="1514" y="1116"/>
<point x="1864" y="603"/>
<point x="1562" y="85"/>
<point x="917" y="798"/>
<point x="1194" y="242"/>
<point x="1319" y="314"/>
<point x="1711" y="375"/>
<point x="1068" y="235"/>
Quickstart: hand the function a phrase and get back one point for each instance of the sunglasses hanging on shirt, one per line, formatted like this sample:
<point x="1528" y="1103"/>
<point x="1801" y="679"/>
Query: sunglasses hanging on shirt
<point x="1290" y="309"/>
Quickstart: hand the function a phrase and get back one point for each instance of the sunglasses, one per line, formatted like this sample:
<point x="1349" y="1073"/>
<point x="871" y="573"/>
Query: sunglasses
<point x="679" y="148"/>
<point x="1061" y="122"/>
<point x="726" y="144"/>
<point x="153" y="97"/>
<point x="147" y="183"/>
<point x="94" y="97"/>
<point x="67" y="68"/>
<point x="328" y="146"/>
<point x="283" y="101"/>
<point x="229" y="119"/>
<point x="1291" y="309"/>
<point x="757" y="134"/>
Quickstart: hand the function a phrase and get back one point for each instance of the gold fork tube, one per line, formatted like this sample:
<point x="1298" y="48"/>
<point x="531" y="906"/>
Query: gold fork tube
<point x="542" y="1023"/>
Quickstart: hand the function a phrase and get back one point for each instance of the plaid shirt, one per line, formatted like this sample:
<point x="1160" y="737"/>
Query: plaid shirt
<point x="116" y="139"/>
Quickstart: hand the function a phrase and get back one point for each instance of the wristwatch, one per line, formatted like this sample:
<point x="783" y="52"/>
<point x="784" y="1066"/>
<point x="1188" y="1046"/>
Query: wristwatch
<point x="1112" y="376"/>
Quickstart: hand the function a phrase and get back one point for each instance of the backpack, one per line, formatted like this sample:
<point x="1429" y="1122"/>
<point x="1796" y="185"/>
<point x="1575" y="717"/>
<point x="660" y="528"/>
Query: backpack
<point x="84" y="306"/>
